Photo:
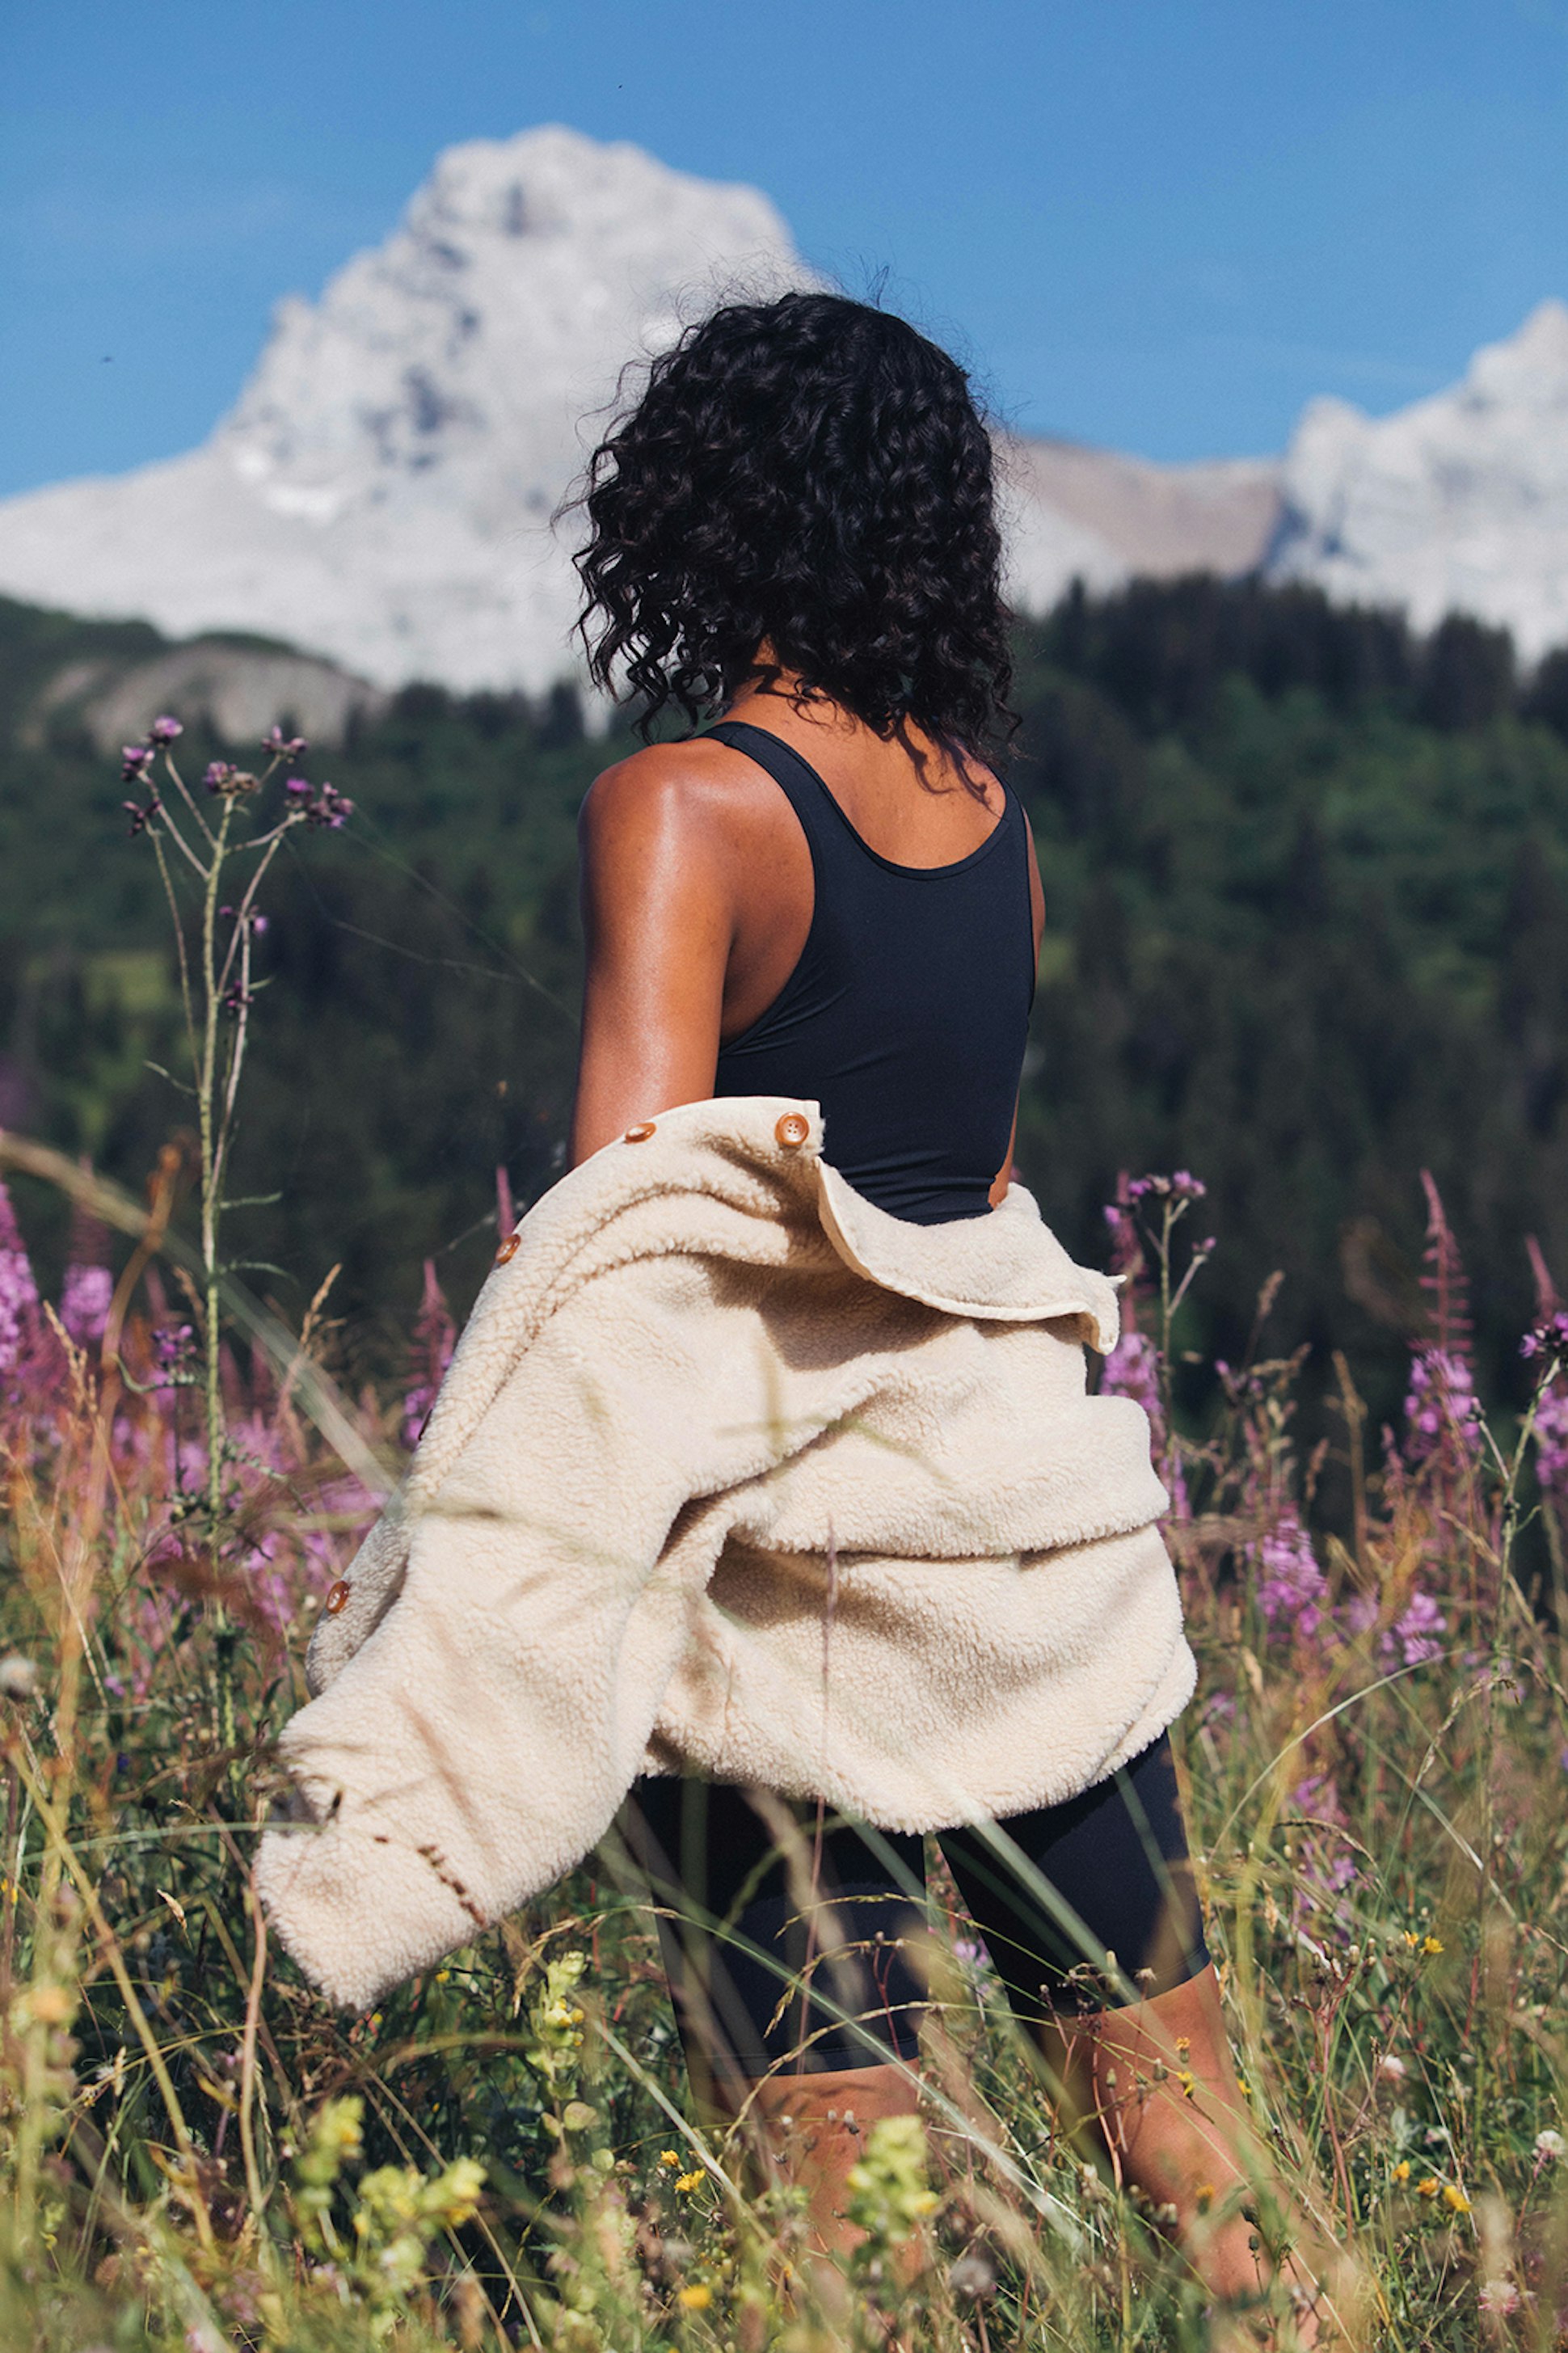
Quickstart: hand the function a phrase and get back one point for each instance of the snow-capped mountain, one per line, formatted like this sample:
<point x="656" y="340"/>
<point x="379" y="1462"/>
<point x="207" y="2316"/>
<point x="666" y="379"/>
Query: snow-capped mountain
<point x="1460" y="502"/>
<point x="382" y="492"/>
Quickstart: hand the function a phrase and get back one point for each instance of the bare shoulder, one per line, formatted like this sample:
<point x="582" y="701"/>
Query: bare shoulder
<point x="673" y="793"/>
<point x="671" y="784"/>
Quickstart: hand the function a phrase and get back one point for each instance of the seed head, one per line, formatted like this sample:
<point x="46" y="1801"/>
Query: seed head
<point x="19" y="1680"/>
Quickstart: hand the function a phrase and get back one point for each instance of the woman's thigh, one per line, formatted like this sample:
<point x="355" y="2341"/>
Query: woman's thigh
<point x="1097" y="1906"/>
<point x="802" y="1961"/>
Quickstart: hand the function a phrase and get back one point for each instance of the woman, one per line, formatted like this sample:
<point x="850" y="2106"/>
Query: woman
<point x="832" y="895"/>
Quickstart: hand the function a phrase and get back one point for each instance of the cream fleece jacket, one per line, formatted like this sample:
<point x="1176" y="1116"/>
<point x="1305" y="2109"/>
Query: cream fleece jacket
<point x="732" y="1472"/>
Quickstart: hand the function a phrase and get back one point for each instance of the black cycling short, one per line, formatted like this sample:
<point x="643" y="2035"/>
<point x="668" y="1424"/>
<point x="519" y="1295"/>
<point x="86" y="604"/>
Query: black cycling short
<point x="1097" y="1909"/>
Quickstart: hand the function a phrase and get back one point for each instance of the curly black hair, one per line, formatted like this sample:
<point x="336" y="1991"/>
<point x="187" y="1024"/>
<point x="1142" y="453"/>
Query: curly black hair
<point x="812" y="473"/>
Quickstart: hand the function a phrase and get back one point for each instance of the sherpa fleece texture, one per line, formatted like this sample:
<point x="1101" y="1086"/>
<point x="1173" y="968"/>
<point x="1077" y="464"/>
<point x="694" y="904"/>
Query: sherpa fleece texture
<point x="732" y="1472"/>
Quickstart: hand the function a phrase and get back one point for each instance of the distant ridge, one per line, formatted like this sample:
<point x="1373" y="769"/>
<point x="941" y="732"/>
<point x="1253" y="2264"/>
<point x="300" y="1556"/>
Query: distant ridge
<point x="1456" y="503"/>
<point x="380" y="496"/>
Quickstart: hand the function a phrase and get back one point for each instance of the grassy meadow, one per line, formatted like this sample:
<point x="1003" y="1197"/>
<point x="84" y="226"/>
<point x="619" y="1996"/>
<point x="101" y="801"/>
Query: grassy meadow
<point x="1364" y="1433"/>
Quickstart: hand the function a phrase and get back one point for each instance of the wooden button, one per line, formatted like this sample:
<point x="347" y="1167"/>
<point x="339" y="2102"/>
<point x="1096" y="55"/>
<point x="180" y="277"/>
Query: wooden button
<point x="508" y="1249"/>
<point x="793" y="1130"/>
<point x="337" y="1597"/>
<point x="640" y="1134"/>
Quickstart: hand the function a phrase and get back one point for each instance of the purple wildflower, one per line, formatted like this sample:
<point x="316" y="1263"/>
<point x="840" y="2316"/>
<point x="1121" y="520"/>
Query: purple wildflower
<point x="1442" y="1412"/>
<point x="135" y="762"/>
<point x="85" y="1301"/>
<point x="299" y="789"/>
<point x="1360" y="1613"/>
<point x="142" y="819"/>
<point x="281" y="746"/>
<point x="1132" y="1370"/>
<point x="1413" y="1637"/>
<point x="219" y="774"/>
<point x="435" y="1336"/>
<point x="18" y="1291"/>
<point x="330" y="808"/>
<point x="165" y="730"/>
<point x="1180" y="1186"/>
<point x="1326" y="1867"/>
<point x="1549" y="1338"/>
<point x="1551" y="1444"/>
<point x="1291" y="1588"/>
<point x="173" y="1347"/>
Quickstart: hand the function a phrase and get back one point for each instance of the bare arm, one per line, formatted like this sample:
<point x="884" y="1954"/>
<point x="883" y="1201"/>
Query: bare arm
<point x="658" y="919"/>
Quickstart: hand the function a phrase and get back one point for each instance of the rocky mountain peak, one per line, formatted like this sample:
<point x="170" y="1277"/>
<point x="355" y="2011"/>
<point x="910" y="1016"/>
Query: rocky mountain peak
<point x="1458" y="502"/>
<point x="382" y="491"/>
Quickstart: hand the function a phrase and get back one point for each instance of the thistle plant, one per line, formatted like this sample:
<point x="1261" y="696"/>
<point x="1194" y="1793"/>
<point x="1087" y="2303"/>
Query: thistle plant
<point x="228" y="844"/>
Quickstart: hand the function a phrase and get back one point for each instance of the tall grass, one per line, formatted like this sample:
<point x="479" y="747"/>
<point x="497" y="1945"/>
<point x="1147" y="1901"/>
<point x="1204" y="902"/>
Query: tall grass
<point x="194" y="2152"/>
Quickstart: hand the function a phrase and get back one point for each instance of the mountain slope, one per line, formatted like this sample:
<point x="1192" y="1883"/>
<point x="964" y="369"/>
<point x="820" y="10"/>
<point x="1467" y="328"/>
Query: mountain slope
<point x="382" y="492"/>
<point x="1458" y="502"/>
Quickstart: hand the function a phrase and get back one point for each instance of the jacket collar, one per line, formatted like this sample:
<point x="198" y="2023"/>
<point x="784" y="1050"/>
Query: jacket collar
<point x="1005" y="1266"/>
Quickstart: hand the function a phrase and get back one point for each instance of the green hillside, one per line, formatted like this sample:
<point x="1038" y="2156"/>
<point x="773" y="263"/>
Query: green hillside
<point x="1307" y="882"/>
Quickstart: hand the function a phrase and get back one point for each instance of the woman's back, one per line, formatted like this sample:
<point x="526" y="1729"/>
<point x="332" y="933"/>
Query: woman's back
<point x="795" y="527"/>
<point x="905" y="1012"/>
<point x="750" y="934"/>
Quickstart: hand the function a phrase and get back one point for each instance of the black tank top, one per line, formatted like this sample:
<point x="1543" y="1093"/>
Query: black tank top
<point x="905" y="1018"/>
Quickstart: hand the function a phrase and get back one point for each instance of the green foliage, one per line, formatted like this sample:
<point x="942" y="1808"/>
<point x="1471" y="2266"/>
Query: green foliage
<point x="890" y="2192"/>
<point x="1307" y="893"/>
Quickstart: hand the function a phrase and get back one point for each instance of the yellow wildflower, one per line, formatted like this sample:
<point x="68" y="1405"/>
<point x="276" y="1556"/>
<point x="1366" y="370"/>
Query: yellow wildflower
<point x="696" y="2298"/>
<point x="1456" y="2199"/>
<point x="1188" y="2082"/>
<point x="1205" y="2196"/>
<point x="690" y="2180"/>
<point x="1429" y="2187"/>
<point x="1431" y="1944"/>
<point x="1401" y="2171"/>
<point x="668" y="2157"/>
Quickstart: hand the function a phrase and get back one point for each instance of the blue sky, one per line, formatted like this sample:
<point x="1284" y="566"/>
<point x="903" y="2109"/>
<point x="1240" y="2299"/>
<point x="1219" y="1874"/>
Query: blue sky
<point x="1158" y="224"/>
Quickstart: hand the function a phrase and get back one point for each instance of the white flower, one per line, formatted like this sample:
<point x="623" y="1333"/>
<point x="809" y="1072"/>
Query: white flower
<point x="1549" y="2144"/>
<point x="1392" y="2068"/>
